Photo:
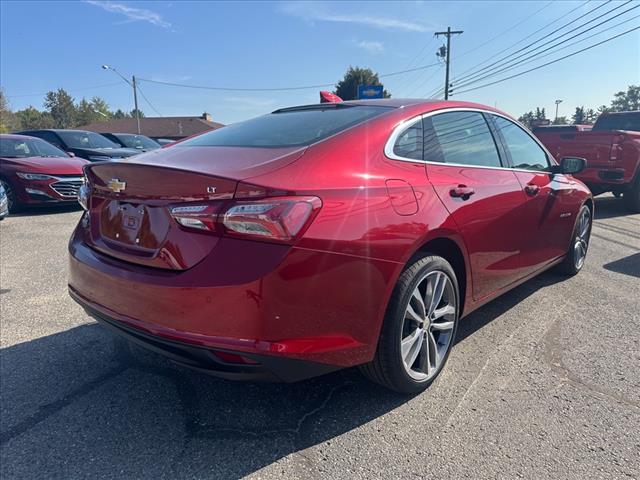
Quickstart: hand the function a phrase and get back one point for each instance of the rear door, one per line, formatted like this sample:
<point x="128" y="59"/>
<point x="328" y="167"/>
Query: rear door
<point x="550" y="206"/>
<point x="466" y="168"/>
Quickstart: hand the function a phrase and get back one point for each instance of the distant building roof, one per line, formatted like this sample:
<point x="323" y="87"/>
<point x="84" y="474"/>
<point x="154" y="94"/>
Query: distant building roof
<point x="173" y="128"/>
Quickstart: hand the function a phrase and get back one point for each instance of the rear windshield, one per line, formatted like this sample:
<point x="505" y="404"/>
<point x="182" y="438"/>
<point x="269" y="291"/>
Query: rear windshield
<point x="288" y="127"/>
<point x="620" y="121"/>
<point x="81" y="139"/>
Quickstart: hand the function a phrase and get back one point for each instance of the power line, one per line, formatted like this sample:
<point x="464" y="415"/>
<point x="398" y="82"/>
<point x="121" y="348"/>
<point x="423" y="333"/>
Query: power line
<point x="72" y="91"/>
<point x="515" y="25"/>
<point x="506" y="61"/>
<point x="556" y="51"/>
<point x="424" y="83"/>
<point x="531" y="35"/>
<point x="551" y="62"/>
<point x="505" y="67"/>
<point x="148" y="102"/>
<point x="278" y="89"/>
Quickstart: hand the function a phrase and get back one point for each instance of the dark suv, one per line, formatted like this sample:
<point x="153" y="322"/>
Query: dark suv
<point x="88" y="145"/>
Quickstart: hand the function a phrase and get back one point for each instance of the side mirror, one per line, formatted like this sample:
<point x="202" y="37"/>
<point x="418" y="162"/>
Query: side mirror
<point x="71" y="154"/>
<point x="570" y="165"/>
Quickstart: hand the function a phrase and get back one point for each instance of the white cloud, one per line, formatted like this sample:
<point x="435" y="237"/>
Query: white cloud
<point x="372" y="47"/>
<point x="313" y="11"/>
<point x="132" y="14"/>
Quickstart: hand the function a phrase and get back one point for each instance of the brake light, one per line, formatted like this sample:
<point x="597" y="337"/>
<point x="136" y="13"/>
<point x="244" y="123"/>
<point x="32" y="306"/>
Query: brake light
<point x="616" y="147"/>
<point x="281" y="219"/>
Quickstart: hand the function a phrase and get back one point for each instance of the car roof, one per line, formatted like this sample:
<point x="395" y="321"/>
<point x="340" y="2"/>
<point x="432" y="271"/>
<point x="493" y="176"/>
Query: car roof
<point x="17" y="136"/>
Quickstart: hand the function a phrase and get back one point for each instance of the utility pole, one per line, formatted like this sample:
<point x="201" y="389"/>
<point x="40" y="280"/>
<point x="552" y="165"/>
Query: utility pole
<point x="558" y="102"/>
<point x="132" y="84"/>
<point x="135" y="101"/>
<point x="448" y="34"/>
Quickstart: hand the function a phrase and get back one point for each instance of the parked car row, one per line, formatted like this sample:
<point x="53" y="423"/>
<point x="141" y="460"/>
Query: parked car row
<point x="41" y="167"/>
<point x="612" y="151"/>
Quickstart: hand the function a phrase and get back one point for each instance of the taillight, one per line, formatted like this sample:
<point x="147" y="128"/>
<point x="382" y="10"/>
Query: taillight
<point x="616" y="147"/>
<point x="280" y="219"/>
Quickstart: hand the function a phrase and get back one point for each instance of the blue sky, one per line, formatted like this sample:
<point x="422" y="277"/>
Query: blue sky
<point x="46" y="45"/>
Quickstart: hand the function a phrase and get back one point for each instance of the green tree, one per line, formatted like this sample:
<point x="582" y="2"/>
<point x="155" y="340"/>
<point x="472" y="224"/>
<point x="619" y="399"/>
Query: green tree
<point x="527" y="119"/>
<point x="579" y="117"/>
<point x="626" y="101"/>
<point x="8" y="120"/>
<point x="540" y="114"/>
<point x="32" y="118"/>
<point x="120" y="114"/>
<point x="347" y="88"/>
<point x="93" y="111"/>
<point x="603" y="109"/>
<point x="133" y="113"/>
<point x="590" y="116"/>
<point x="62" y="109"/>
<point x="561" y="121"/>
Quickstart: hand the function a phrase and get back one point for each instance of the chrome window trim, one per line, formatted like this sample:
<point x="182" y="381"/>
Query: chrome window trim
<point x="405" y="124"/>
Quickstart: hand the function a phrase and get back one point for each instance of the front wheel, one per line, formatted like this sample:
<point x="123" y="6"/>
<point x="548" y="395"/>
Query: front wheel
<point x="419" y="327"/>
<point x="12" y="201"/>
<point x="574" y="260"/>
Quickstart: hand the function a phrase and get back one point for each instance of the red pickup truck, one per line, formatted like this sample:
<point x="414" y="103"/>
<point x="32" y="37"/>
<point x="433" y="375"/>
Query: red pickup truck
<point x="612" y="151"/>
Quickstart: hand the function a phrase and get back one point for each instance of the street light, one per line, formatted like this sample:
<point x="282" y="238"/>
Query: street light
<point x="132" y="84"/>
<point x="558" y="102"/>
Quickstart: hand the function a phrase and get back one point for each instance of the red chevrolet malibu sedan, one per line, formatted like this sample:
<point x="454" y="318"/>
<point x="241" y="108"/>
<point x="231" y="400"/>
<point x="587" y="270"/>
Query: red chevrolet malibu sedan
<point x="34" y="172"/>
<point x="325" y="236"/>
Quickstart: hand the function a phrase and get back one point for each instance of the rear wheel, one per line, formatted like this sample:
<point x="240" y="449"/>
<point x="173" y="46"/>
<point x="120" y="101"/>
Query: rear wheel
<point x="419" y="327"/>
<point x="632" y="196"/>
<point x="575" y="258"/>
<point x="12" y="201"/>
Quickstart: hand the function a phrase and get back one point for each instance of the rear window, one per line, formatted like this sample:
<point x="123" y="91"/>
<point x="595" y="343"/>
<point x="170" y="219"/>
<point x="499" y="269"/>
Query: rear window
<point x="620" y="121"/>
<point x="288" y="127"/>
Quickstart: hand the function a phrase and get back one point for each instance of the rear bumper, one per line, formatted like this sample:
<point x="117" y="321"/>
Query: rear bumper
<point x="250" y="298"/>
<point x="207" y="360"/>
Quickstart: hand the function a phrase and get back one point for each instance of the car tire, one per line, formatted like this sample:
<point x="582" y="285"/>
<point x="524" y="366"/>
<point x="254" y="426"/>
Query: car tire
<point x="631" y="196"/>
<point x="12" y="201"/>
<point x="428" y="278"/>
<point x="575" y="257"/>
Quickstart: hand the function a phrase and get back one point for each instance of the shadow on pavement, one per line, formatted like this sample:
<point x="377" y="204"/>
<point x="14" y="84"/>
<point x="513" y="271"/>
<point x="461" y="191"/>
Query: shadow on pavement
<point x="47" y="210"/>
<point x="85" y="404"/>
<point x="629" y="265"/>
<point x="610" y="207"/>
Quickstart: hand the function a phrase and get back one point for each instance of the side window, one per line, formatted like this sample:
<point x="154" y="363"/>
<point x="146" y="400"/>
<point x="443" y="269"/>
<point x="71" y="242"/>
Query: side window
<point x="460" y="137"/>
<point x="51" y="138"/>
<point x="525" y="152"/>
<point x="409" y="143"/>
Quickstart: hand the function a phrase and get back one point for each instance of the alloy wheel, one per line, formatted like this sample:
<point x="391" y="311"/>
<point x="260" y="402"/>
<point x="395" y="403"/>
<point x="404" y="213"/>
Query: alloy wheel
<point x="10" y="196"/>
<point x="581" y="243"/>
<point x="428" y="325"/>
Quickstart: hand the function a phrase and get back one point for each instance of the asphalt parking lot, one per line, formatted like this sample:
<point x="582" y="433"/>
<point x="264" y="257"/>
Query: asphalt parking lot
<point x="543" y="383"/>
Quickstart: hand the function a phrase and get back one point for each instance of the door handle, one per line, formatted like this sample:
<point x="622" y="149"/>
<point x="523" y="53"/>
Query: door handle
<point x="462" y="191"/>
<point x="531" y="189"/>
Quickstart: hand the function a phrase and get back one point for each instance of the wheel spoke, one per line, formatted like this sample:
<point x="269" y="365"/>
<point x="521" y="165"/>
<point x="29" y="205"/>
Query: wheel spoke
<point x="441" y="312"/>
<point x="410" y="347"/>
<point x="442" y="326"/>
<point x="584" y="226"/>
<point x="411" y="313"/>
<point x="439" y="282"/>
<point x="433" y="349"/>
<point x="417" y="296"/>
<point x="425" y="357"/>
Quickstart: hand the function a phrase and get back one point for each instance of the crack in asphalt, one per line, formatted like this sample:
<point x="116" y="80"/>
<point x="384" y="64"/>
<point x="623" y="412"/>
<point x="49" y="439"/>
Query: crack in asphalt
<point x="553" y="357"/>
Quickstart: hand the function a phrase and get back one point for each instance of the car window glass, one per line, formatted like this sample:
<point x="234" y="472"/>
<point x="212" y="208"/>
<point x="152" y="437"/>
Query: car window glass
<point x="461" y="137"/>
<point x="49" y="137"/>
<point x="409" y="143"/>
<point x="525" y="151"/>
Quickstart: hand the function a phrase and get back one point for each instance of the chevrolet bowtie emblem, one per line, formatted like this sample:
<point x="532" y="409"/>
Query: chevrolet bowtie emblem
<point x="116" y="185"/>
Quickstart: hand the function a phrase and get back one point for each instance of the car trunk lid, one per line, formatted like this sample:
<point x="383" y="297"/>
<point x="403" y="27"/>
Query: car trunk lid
<point x="131" y="202"/>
